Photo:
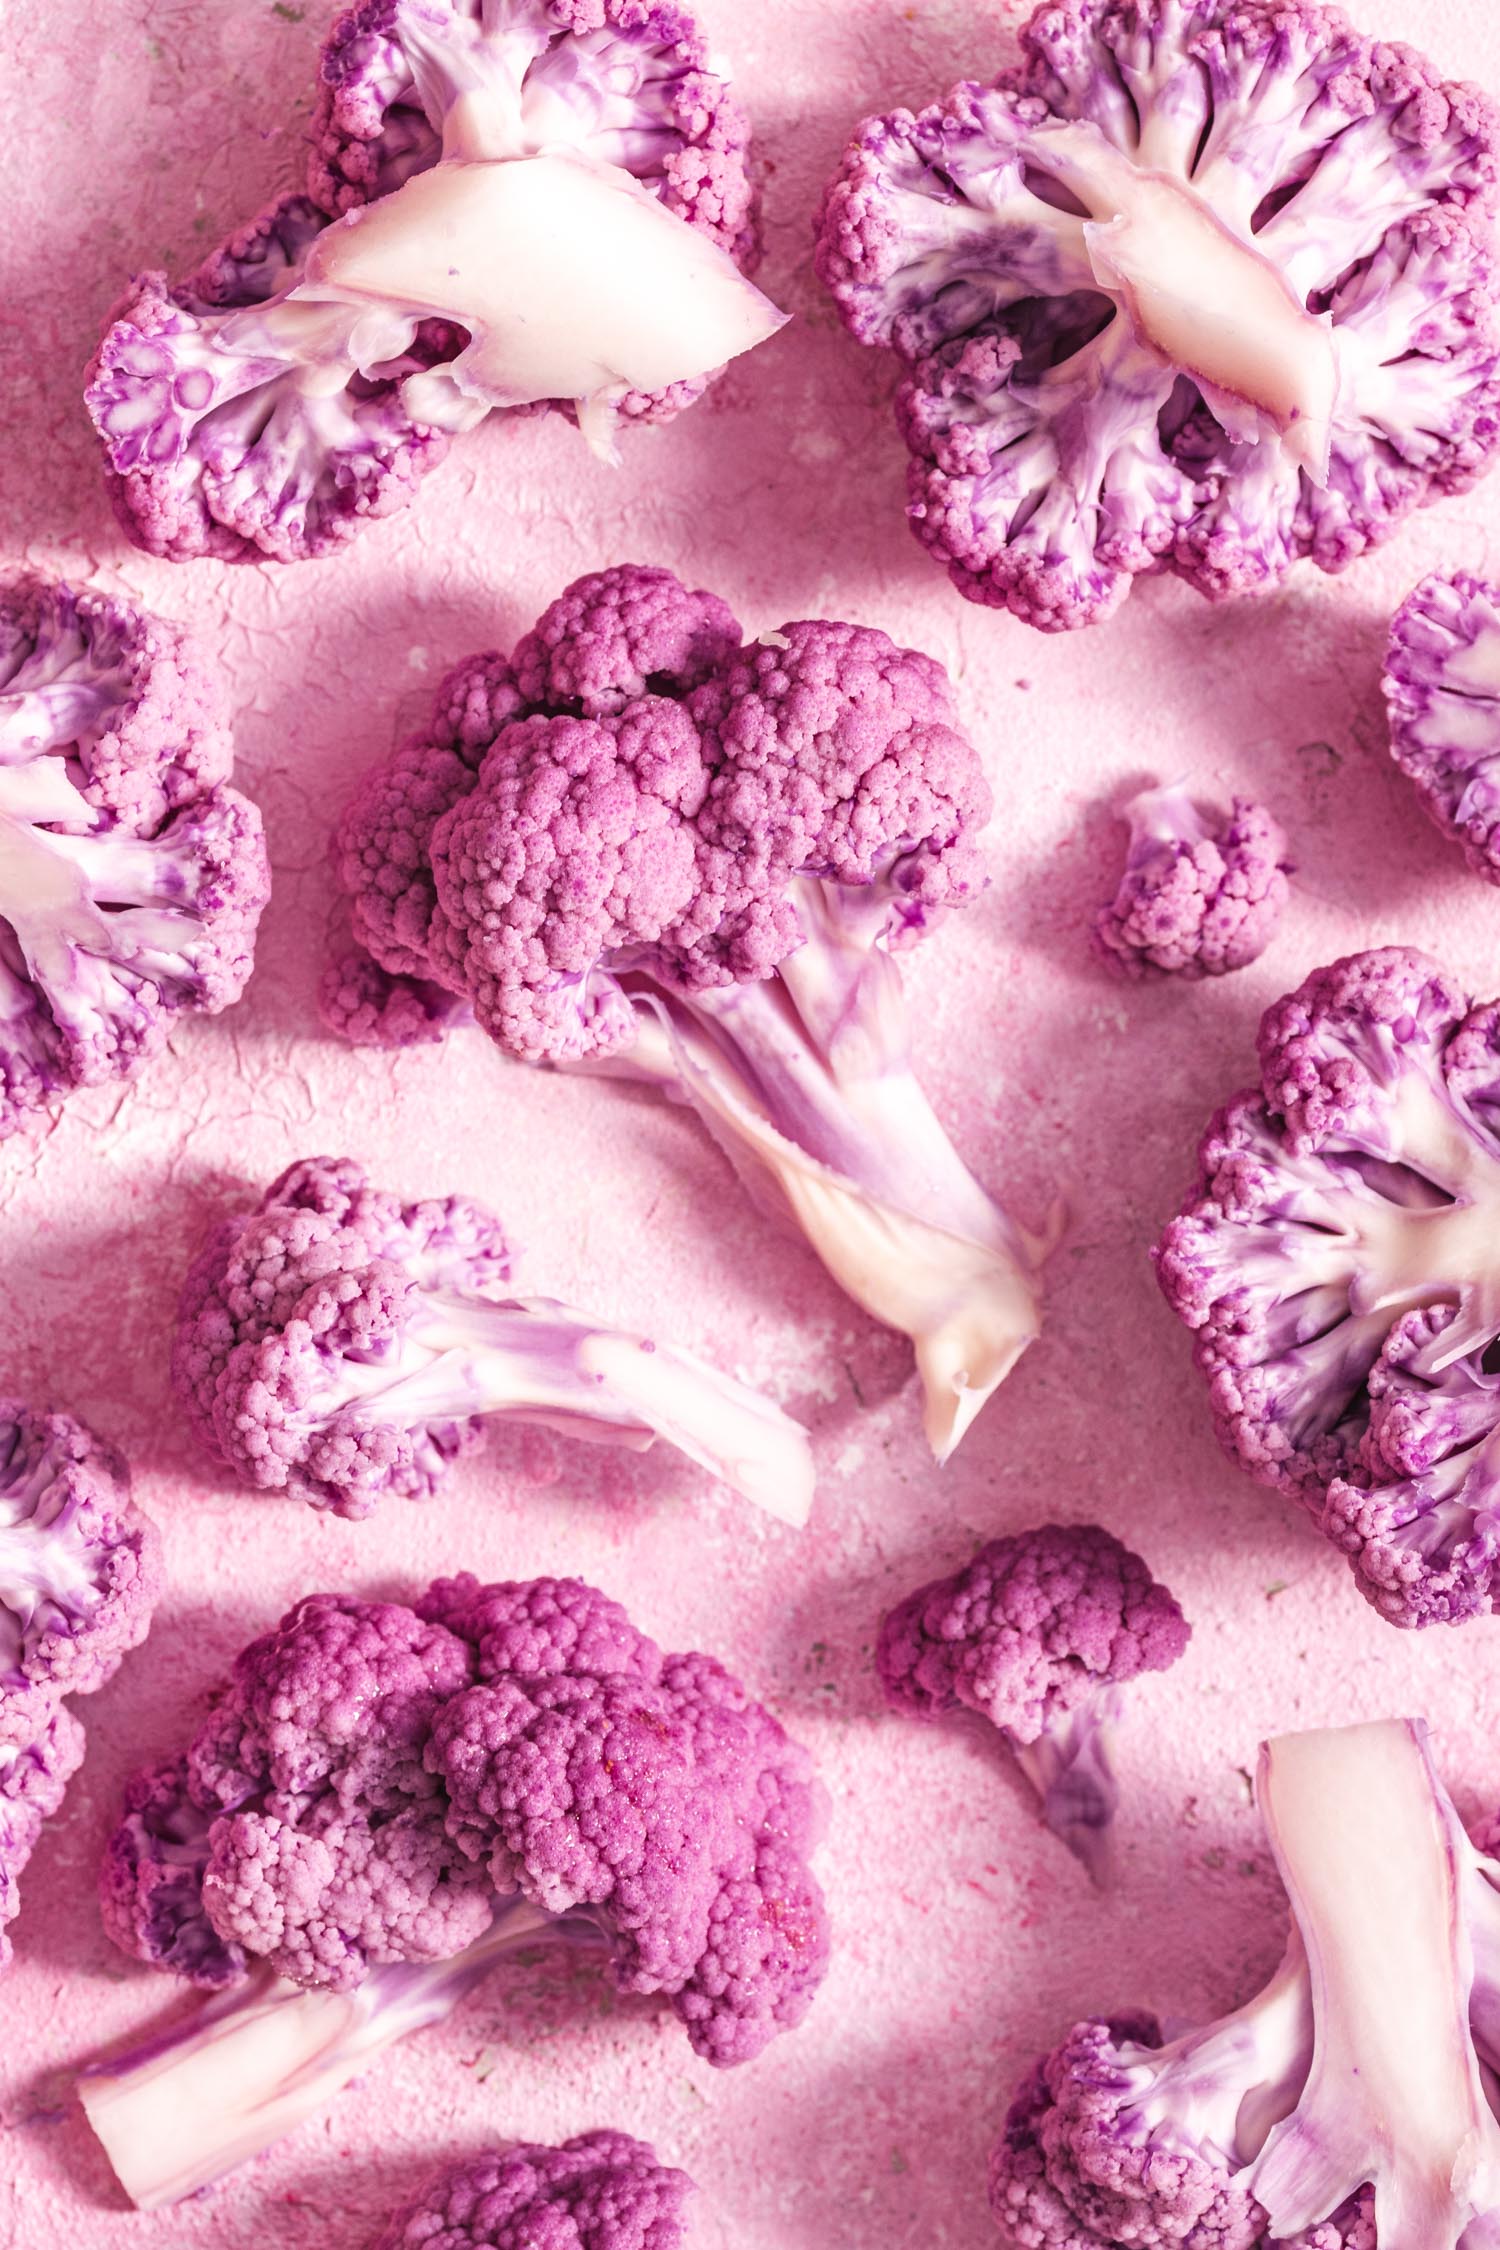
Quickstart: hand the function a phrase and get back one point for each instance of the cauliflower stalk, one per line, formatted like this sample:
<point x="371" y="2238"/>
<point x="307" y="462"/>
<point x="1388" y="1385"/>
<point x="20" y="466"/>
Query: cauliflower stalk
<point x="1201" y="285"/>
<point x="384" y="1799"/>
<point x="339" y="1344"/>
<point x="511" y="204"/>
<point x="131" y="877"/>
<point x="1348" y="2102"/>
<point x="1036" y="1637"/>
<point x="642" y="849"/>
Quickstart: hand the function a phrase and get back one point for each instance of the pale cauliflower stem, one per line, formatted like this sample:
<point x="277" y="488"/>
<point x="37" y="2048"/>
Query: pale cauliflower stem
<point x="338" y="1344"/>
<point x="511" y="204"/>
<point x="641" y="848"/>
<point x="131" y="877"/>
<point x="1442" y="688"/>
<point x="1202" y="285"/>
<point x="1338" y="1263"/>
<point x="1349" y="2104"/>
<point x="385" y="1800"/>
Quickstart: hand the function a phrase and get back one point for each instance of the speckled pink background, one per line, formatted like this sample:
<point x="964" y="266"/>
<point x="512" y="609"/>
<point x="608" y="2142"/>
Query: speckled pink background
<point x="137" y="132"/>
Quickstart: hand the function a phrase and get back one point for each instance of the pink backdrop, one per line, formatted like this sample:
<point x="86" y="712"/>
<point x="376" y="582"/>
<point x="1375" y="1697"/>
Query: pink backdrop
<point x="138" y="132"/>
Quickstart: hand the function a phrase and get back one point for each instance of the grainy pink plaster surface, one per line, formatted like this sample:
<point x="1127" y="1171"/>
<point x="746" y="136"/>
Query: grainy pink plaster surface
<point x="138" y="131"/>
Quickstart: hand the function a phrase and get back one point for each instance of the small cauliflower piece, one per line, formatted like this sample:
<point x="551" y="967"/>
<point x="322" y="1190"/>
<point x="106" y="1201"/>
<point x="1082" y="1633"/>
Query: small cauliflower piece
<point x="1337" y="1265"/>
<point x="1200" y="285"/>
<point x="387" y="1799"/>
<point x="1202" y="892"/>
<point x="645" y="850"/>
<point x="338" y="1344"/>
<point x="41" y="1748"/>
<point x="131" y="877"/>
<point x="80" y="1564"/>
<point x="1442" y="691"/>
<point x="545" y="204"/>
<point x="602" y="2191"/>
<point x="1344" y="2106"/>
<point x="1036" y="1636"/>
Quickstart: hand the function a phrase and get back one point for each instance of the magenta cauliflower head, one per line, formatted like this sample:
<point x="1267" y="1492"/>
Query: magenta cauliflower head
<point x="131" y="877"/>
<point x="380" y="1783"/>
<point x="642" y="847"/>
<point x="1036" y="1636"/>
<point x="1202" y="892"/>
<point x="37" y="1761"/>
<point x="80" y="1564"/>
<point x="545" y="204"/>
<point x="1336" y="1263"/>
<point x="1442" y="690"/>
<point x="338" y="1344"/>
<point x="602" y="2191"/>
<point x="1200" y="285"/>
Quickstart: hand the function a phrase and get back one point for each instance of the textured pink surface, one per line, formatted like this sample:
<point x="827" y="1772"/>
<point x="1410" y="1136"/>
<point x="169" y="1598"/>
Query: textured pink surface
<point x="966" y="1938"/>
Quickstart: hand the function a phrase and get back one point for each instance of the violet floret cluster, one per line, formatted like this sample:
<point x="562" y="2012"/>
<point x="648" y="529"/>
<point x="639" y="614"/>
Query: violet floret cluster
<point x="644" y="848"/>
<point x="338" y="1344"/>
<point x="80" y="1574"/>
<point x="382" y="1784"/>
<point x="1442" y="691"/>
<point x="132" y="877"/>
<point x="1204" y="286"/>
<point x="601" y="2191"/>
<point x="1202" y="892"/>
<point x="1337" y="1265"/>
<point x="1036" y="1637"/>
<point x="505" y="209"/>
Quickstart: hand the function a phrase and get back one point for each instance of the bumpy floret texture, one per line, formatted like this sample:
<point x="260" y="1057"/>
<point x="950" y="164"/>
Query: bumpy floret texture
<point x="80" y="1564"/>
<point x="1201" y="894"/>
<point x="36" y="1765"/>
<point x="1034" y="1626"/>
<point x="242" y="417"/>
<point x="131" y="877"/>
<point x="1336" y="1265"/>
<point x="1200" y="285"/>
<point x="376" y="1782"/>
<point x="1442" y="689"/>
<point x="637" y="793"/>
<point x="602" y="2191"/>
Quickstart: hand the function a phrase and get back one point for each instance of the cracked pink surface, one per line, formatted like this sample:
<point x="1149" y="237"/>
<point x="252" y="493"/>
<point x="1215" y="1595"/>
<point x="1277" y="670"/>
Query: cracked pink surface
<point x="965" y="1937"/>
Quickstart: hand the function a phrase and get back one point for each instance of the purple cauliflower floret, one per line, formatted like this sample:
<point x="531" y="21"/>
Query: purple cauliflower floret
<point x="1442" y="690"/>
<point x="1202" y="892"/>
<point x="491" y="197"/>
<point x="602" y="2191"/>
<point x="1347" y="2103"/>
<point x="1204" y="286"/>
<point x="80" y="1565"/>
<point x="386" y="1800"/>
<point x="644" y="849"/>
<point x="131" y="877"/>
<point x="1036" y="1636"/>
<point x="1335" y="1265"/>
<point x="37" y="1761"/>
<point x="338" y="1344"/>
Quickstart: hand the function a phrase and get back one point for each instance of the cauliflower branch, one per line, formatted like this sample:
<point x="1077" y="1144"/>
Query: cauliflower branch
<point x="1337" y="1264"/>
<point x="385" y="1799"/>
<point x="338" y="1344"/>
<point x="1442" y="686"/>
<point x="602" y="2191"/>
<point x="511" y="204"/>
<point x="41" y="1748"/>
<point x="1202" y="285"/>
<point x="1201" y="894"/>
<point x="1036" y="1637"/>
<point x="642" y="849"/>
<point x="1348" y="2104"/>
<point x="131" y="878"/>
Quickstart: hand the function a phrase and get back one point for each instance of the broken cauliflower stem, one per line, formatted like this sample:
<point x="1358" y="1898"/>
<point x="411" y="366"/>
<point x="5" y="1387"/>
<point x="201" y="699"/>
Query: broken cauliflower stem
<point x="505" y="209"/>
<point x="1348" y="2100"/>
<point x="180" y="2108"/>
<point x="1204" y="287"/>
